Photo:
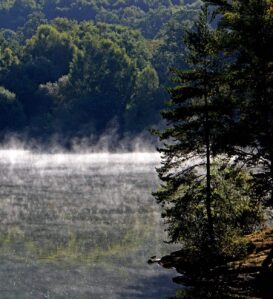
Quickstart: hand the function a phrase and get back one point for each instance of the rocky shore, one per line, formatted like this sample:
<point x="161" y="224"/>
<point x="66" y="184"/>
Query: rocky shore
<point x="248" y="277"/>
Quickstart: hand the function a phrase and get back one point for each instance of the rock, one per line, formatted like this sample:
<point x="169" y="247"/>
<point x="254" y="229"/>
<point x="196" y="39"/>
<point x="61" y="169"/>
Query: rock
<point x="246" y="277"/>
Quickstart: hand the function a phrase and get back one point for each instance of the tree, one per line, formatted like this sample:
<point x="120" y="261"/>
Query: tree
<point x="11" y="113"/>
<point x="249" y="26"/>
<point x="102" y="78"/>
<point x="141" y="110"/>
<point x="55" y="46"/>
<point x="252" y="26"/>
<point x="190" y="118"/>
<point x="195" y="206"/>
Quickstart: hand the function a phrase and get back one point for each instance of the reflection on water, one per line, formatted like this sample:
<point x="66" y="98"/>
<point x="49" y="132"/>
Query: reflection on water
<point x="80" y="226"/>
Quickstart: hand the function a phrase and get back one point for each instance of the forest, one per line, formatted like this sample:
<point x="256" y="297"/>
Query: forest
<point x="78" y="68"/>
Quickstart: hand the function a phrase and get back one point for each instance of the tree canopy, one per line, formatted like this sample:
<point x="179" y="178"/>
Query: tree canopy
<point x="78" y="67"/>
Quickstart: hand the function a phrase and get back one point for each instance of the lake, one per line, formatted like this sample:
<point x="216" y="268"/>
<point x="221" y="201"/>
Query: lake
<point x="80" y="226"/>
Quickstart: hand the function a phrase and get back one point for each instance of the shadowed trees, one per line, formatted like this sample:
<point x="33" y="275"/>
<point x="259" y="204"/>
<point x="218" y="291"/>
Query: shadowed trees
<point x="219" y="128"/>
<point x="203" y="197"/>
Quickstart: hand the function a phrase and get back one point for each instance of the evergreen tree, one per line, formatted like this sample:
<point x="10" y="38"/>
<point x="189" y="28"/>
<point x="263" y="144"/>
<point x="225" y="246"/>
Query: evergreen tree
<point x="248" y="27"/>
<point x="248" y="30"/>
<point x="190" y="118"/>
<point x="252" y="26"/>
<point x="203" y="198"/>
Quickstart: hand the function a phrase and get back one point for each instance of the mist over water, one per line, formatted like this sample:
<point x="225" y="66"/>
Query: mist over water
<point x="108" y="141"/>
<point x="80" y="226"/>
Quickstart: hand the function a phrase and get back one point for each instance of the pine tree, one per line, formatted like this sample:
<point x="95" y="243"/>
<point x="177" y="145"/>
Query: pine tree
<point x="252" y="26"/>
<point x="248" y="27"/>
<point x="192" y="122"/>
<point x="251" y="23"/>
<point x="206" y="202"/>
<point x="248" y="30"/>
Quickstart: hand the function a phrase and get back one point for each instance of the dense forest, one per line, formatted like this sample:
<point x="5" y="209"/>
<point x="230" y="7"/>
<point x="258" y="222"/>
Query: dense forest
<point x="147" y="16"/>
<point x="78" y="68"/>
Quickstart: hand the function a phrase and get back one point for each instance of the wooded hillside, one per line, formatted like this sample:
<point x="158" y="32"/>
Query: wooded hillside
<point x="78" y="68"/>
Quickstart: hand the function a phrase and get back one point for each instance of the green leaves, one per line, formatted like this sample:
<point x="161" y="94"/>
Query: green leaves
<point x="103" y="75"/>
<point x="10" y="110"/>
<point x="233" y="209"/>
<point x="208" y="202"/>
<point x="57" y="47"/>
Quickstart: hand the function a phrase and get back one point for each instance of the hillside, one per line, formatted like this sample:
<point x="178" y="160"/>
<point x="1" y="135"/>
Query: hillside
<point x="147" y="16"/>
<point x="83" y="68"/>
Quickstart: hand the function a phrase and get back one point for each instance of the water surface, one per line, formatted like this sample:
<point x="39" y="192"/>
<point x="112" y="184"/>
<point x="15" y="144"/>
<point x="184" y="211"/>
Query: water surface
<point x="80" y="226"/>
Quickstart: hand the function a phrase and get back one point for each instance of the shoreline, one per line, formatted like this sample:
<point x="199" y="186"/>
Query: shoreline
<point x="248" y="277"/>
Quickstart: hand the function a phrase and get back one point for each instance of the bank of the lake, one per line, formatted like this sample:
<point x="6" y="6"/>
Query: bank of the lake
<point x="247" y="277"/>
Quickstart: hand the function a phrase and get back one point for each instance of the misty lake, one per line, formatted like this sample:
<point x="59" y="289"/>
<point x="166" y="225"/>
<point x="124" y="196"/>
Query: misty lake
<point x="80" y="226"/>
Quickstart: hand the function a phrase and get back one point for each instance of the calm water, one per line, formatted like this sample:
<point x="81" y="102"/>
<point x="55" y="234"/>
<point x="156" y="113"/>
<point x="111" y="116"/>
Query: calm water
<point x="80" y="226"/>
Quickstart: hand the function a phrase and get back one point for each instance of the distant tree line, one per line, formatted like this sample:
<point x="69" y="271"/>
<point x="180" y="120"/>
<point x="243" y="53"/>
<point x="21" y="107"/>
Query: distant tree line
<point x="146" y="15"/>
<point x="62" y="75"/>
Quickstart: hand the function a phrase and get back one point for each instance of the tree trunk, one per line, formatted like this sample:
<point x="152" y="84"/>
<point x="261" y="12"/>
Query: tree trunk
<point x="208" y="172"/>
